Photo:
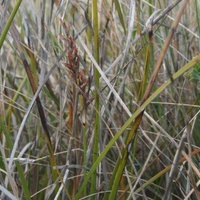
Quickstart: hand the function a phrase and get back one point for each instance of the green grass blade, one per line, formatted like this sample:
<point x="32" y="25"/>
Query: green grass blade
<point x="96" y="80"/>
<point x="23" y="181"/>
<point x="162" y="172"/>
<point x="8" y="24"/>
<point x="197" y="15"/>
<point x="119" y="11"/>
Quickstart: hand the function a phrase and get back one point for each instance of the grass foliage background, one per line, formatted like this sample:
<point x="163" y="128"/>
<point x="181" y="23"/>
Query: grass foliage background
<point x="99" y="99"/>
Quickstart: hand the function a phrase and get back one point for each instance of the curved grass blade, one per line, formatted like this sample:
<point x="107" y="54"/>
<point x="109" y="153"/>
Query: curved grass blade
<point x="8" y="24"/>
<point x="121" y="18"/>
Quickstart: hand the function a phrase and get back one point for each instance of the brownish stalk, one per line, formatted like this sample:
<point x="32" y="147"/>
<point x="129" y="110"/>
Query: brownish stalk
<point x="72" y="64"/>
<point x="42" y="117"/>
<point x="163" y="52"/>
<point x="158" y="18"/>
<point x="78" y="82"/>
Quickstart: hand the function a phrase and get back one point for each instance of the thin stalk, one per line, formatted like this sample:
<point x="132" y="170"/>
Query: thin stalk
<point x="197" y="15"/>
<point x="119" y="11"/>
<point x="96" y="80"/>
<point x="84" y="156"/>
<point x="43" y="120"/>
<point x="8" y="24"/>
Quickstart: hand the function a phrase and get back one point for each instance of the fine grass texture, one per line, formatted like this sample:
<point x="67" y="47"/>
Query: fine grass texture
<point x="99" y="99"/>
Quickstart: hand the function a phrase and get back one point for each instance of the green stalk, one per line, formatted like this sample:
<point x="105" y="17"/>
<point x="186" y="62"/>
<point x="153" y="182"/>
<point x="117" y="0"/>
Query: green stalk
<point x="121" y="18"/>
<point x="197" y="16"/>
<point x="96" y="80"/>
<point x="16" y="96"/>
<point x="8" y="24"/>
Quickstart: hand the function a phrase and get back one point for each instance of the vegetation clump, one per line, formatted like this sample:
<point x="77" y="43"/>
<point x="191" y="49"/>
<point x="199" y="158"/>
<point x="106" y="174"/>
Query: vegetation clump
<point x="99" y="99"/>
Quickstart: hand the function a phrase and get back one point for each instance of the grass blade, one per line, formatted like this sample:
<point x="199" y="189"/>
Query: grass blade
<point x="9" y="22"/>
